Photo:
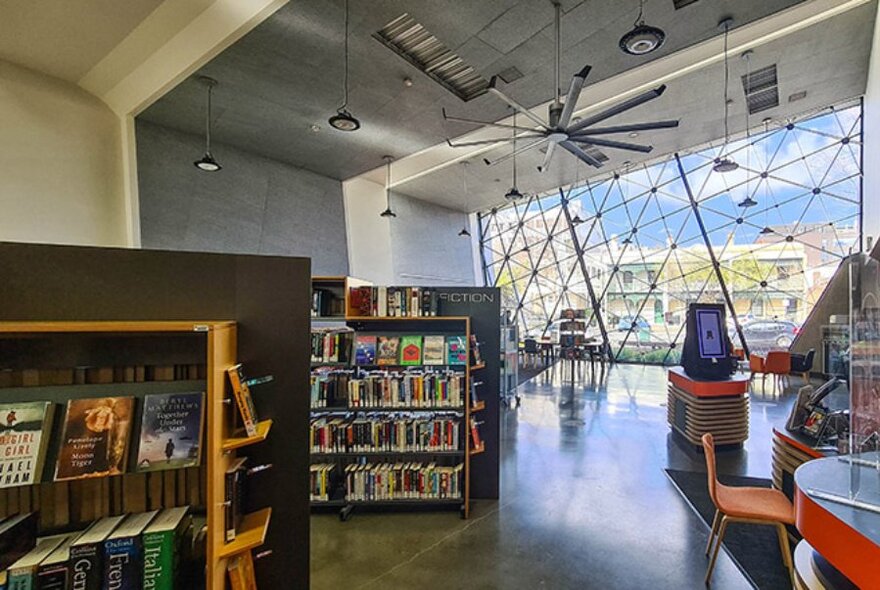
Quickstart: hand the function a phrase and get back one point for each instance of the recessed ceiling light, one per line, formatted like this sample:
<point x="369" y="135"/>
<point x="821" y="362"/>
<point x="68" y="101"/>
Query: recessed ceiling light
<point x="315" y="128"/>
<point x="408" y="82"/>
<point x="634" y="134"/>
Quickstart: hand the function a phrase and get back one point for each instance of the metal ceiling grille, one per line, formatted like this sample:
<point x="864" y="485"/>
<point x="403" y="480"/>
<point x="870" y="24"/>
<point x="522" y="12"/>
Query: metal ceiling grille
<point x="761" y="88"/>
<point x="682" y="3"/>
<point x="414" y="43"/>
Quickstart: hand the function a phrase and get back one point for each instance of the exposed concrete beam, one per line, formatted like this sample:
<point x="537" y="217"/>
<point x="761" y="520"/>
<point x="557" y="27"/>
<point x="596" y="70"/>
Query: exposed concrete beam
<point x="631" y="82"/>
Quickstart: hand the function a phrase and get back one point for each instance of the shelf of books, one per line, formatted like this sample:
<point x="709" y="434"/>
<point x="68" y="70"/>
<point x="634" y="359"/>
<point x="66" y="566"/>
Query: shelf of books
<point x="119" y="466"/>
<point x="391" y="400"/>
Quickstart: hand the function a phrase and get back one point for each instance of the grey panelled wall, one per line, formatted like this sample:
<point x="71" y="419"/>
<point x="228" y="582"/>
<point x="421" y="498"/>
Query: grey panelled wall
<point x="254" y="205"/>
<point x="425" y="246"/>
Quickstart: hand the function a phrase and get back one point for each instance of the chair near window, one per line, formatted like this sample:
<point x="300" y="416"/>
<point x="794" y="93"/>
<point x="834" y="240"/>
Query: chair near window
<point x="778" y="364"/>
<point x="803" y="364"/>
<point x="531" y="352"/>
<point x="756" y="366"/>
<point x="747" y="505"/>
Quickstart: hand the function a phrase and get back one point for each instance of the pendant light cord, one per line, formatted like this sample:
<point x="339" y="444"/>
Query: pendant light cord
<point x="639" y="20"/>
<point x="726" y="80"/>
<point x="387" y="181"/>
<point x="514" y="149"/>
<point x="208" y="121"/>
<point x="345" y="76"/>
<point x="557" y="88"/>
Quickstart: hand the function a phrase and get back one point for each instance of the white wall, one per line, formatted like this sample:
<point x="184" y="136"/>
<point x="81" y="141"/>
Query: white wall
<point x="60" y="163"/>
<point x="369" y="235"/>
<point x="871" y="195"/>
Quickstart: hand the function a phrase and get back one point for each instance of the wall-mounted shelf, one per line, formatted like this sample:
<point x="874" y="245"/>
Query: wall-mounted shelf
<point x="480" y="405"/>
<point x="237" y="442"/>
<point x="479" y="449"/>
<point x="478" y="366"/>
<point x="251" y="533"/>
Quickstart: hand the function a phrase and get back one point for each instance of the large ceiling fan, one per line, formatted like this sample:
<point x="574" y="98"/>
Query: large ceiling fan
<point x="559" y="129"/>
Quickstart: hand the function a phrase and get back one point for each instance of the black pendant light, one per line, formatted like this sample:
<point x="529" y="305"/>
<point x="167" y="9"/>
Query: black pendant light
<point x="207" y="162"/>
<point x="642" y="38"/>
<point x="465" y="233"/>
<point x="344" y="120"/>
<point x="513" y="194"/>
<point x="725" y="164"/>
<point x="748" y="201"/>
<point x="388" y="212"/>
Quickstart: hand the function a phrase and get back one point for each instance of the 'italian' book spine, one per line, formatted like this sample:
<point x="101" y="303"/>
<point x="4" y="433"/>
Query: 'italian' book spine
<point x="85" y="567"/>
<point x="123" y="564"/>
<point x="159" y="560"/>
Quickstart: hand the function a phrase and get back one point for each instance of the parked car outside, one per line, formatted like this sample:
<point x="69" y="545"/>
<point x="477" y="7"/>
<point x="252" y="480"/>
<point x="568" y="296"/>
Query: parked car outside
<point x="625" y="323"/>
<point x="766" y="334"/>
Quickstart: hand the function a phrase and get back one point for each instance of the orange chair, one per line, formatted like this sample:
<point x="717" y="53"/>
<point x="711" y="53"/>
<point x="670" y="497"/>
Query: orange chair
<point x="778" y="364"/>
<point x="747" y="505"/>
<point x="756" y="365"/>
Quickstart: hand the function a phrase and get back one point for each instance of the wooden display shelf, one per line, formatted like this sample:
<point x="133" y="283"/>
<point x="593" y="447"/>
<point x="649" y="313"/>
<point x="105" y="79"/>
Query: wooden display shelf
<point x="479" y="449"/>
<point x="251" y="533"/>
<point x="316" y="364"/>
<point x="237" y="442"/>
<point x="112" y="327"/>
<point x="480" y="405"/>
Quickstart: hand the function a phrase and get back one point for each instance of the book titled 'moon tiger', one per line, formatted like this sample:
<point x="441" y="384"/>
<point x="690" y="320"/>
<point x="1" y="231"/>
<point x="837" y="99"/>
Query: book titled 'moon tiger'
<point x="171" y="431"/>
<point x="95" y="439"/>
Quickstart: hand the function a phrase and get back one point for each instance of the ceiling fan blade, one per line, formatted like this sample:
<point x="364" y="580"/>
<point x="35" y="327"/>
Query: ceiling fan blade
<point x="628" y="128"/>
<point x="486" y="123"/>
<point x="579" y="153"/>
<point x="491" y="141"/>
<point x="620" y="145"/>
<point x="549" y="154"/>
<point x="574" y="92"/>
<point x="515" y="105"/>
<point x="617" y="109"/>
<point x="517" y="152"/>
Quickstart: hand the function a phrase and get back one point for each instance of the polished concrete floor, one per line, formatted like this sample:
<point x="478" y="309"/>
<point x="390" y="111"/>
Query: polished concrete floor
<point x="585" y="501"/>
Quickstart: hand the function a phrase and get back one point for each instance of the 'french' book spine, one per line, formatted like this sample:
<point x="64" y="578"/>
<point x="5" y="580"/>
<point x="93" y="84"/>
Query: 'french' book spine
<point x="123" y="564"/>
<point x="85" y="567"/>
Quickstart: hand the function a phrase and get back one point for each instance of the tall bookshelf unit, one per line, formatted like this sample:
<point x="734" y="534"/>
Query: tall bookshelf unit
<point x="446" y="325"/>
<point x="40" y="343"/>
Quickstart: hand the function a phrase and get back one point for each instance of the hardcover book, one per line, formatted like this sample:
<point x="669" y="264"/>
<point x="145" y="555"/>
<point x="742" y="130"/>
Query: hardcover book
<point x="456" y="350"/>
<point x="171" y="431"/>
<point x="387" y="350"/>
<point x="25" y="431"/>
<point x="95" y="439"/>
<point x="162" y="547"/>
<point x="124" y="553"/>
<point x="243" y="399"/>
<point x="241" y="572"/>
<point x="18" y="535"/>
<point x="365" y="350"/>
<point x="234" y="497"/>
<point x="23" y="573"/>
<point x="434" y="349"/>
<point x="54" y="571"/>
<point x="411" y="350"/>
<point x="87" y="555"/>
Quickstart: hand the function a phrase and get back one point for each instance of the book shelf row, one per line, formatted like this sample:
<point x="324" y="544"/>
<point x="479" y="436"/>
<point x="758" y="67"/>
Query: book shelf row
<point x="387" y="482"/>
<point x="344" y="346"/>
<point x="429" y="389"/>
<point x="99" y="375"/>
<point x="411" y="434"/>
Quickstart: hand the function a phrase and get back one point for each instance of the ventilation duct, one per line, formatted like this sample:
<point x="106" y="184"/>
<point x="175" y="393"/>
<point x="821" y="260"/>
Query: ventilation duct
<point x="761" y="89"/>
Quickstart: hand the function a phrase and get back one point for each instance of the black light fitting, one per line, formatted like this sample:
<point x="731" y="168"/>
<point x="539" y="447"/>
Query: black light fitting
<point x="724" y="164"/>
<point x="642" y="38"/>
<point x="766" y="230"/>
<point x="748" y="202"/>
<point x="388" y="212"/>
<point x="207" y="162"/>
<point x="343" y="120"/>
<point x="465" y="233"/>
<point x="513" y="194"/>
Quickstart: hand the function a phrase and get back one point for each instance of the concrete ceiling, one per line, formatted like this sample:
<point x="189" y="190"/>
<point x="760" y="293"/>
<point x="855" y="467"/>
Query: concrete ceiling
<point x="63" y="38"/>
<point x="286" y="76"/>
<point x="828" y="60"/>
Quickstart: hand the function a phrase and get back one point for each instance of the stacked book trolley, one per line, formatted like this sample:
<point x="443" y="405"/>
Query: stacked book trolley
<point x="395" y="410"/>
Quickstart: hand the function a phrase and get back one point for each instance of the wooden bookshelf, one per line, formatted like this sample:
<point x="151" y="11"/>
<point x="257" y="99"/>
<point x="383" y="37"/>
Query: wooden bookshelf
<point x="479" y="449"/>
<point x="219" y="340"/>
<point x="480" y="405"/>
<point x="240" y="438"/>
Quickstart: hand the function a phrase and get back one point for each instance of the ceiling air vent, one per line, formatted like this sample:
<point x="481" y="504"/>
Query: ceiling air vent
<point x="761" y="89"/>
<point x="797" y="96"/>
<point x="682" y="3"/>
<point x="414" y="43"/>
<point x="590" y="149"/>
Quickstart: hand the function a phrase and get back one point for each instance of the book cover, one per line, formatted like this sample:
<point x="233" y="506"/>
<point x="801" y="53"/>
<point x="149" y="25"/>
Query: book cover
<point x="171" y="431"/>
<point x="234" y="497"/>
<point x="456" y="350"/>
<point x="365" y="350"/>
<point x="18" y="535"/>
<point x="123" y="553"/>
<point x="25" y="431"/>
<point x="241" y="572"/>
<point x="95" y="439"/>
<point x="243" y="399"/>
<point x="87" y="555"/>
<point x="476" y="358"/>
<point x="411" y="350"/>
<point x="162" y="547"/>
<point x="23" y="573"/>
<point x="54" y="571"/>
<point x="387" y="350"/>
<point x="434" y="349"/>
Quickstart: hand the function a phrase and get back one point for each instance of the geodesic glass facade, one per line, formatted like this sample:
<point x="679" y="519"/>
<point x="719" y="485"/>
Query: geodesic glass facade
<point x="635" y="247"/>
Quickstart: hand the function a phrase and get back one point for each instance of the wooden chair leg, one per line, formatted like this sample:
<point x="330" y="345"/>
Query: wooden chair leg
<point x="715" y="522"/>
<point x="784" y="547"/>
<point x="721" y="532"/>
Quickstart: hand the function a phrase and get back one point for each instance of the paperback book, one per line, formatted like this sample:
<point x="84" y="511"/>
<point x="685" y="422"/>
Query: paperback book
<point x="171" y="431"/>
<point x="456" y="350"/>
<point x="387" y="350"/>
<point x="365" y="350"/>
<point x="410" y="350"/>
<point x="18" y="535"/>
<point x="54" y="571"/>
<point x="433" y="350"/>
<point x="234" y="496"/>
<point x="22" y="575"/>
<point x="24" y="436"/>
<point x="95" y="439"/>
<point x="243" y="399"/>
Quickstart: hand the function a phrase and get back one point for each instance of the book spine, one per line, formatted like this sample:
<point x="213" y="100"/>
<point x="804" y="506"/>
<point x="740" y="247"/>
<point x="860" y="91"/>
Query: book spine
<point x="229" y="507"/>
<point x="22" y="579"/>
<point x="85" y="567"/>
<point x="123" y="564"/>
<point x="54" y="578"/>
<point x="242" y="399"/>
<point x="159" y="561"/>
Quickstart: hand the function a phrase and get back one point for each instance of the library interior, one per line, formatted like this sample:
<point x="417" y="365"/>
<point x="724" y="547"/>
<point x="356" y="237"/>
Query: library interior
<point x="589" y="287"/>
